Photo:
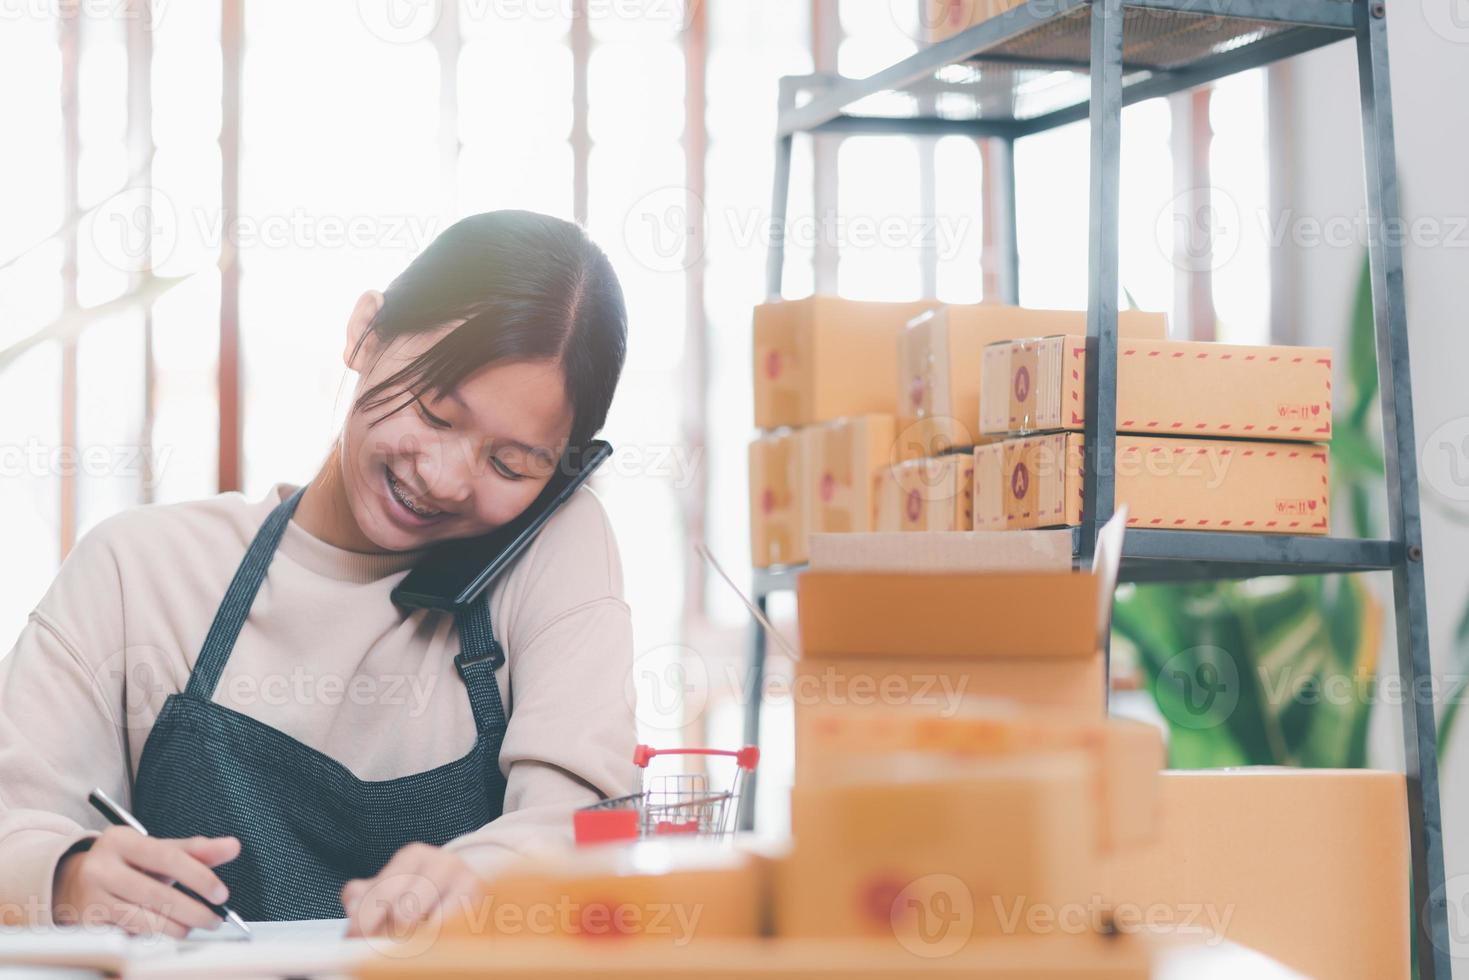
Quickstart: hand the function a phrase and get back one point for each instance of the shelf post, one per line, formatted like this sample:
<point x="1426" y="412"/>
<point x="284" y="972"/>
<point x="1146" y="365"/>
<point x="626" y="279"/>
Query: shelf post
<point x="779" y="196"/>
<point x="1000" y="156"/>
<point x="754" y="700"/>
<point x="1389" y="313"/>
<point x="1100" y="430"/>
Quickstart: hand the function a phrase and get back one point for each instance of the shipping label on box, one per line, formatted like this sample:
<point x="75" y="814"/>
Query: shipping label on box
<point x="777" y="523"/>
<point x="1192" y="484"/>
<point x="822" y="358"/>
<point x="1164" y="387"/>
<point x="939" y="356"/>
<point x="840" y="461"/>
<point x="930" y="494"/>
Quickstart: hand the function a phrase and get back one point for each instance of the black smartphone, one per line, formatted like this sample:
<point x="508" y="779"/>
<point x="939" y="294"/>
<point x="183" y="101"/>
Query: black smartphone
<point x="454" y="573"/>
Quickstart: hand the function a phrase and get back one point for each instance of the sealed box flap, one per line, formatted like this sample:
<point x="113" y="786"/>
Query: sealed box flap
<point x="942" y="551"/>
<point x="1028" y="614"/>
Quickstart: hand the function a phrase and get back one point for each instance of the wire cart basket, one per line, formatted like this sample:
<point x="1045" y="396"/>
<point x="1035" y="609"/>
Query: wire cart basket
<point x="675" y="804"/>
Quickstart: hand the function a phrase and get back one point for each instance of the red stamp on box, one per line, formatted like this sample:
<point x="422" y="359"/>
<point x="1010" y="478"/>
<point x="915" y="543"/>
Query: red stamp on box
<point x="1020" y="481"/>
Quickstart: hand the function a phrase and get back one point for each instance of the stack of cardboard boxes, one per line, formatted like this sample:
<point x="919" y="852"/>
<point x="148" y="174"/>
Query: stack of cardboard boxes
<point x="1211" y="437"/>
<point x="984" y="429"/>
<point x="848" y="443"/>
<point x="975" y="835"/>
<point x="823" y="403"/>
<point x="939" y="388"/>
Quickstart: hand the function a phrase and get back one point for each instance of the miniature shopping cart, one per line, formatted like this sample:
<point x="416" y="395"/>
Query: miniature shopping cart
<point x="675" y="804"/>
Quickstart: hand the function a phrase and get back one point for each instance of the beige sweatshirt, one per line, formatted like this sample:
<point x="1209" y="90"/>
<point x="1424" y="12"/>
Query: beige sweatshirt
<point x="325" y="656"/>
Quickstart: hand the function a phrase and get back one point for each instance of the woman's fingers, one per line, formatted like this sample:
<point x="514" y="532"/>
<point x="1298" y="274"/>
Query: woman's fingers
<point x="148" y="893"/>
<point x="175" y="860"/>
<point x="417" y="899"/>
<point x="414" y="885"/>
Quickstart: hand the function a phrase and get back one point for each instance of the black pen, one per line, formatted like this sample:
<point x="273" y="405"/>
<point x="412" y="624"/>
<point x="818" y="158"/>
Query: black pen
<point x="116" y="814"/>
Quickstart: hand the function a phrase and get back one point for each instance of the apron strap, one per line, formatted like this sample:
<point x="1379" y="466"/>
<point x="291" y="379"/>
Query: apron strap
<point x="229" y="619"/>
<point x="480" y="655"/>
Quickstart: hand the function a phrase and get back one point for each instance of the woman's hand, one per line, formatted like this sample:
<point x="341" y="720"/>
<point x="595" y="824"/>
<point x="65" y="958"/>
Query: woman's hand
<point x="421" y="881"/>
<point x="126" y="879"/>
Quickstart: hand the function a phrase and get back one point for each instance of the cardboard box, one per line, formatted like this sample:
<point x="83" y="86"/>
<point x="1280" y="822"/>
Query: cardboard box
<point x="939" y="685"/>
<point x="821" y="358"/>
<point x="945" y="18"/>
<point x="930" y="494"/>
<point x="669" y="890"/>
<point x="941" y="551"/>
<point x="872" y="851"/>
<point x="1193" y="484"/>
<point x="1309" y="866"/>
<point x="940" y="352"/>
<point x="777" y="517"/>
<point x="1054" y="957"/>
<point x="841" y="458"/>
<point x="1164" y="387"/>
<point x="1124" y="757"/>
<point x="961" y="615"/>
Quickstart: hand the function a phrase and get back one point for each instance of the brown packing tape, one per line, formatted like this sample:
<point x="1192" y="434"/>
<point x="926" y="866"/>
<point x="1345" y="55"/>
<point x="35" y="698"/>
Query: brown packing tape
<point x="1029" y="614"/>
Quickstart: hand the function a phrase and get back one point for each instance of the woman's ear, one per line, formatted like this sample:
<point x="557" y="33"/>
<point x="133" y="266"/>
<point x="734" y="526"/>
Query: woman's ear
<point x="356" y="353"/>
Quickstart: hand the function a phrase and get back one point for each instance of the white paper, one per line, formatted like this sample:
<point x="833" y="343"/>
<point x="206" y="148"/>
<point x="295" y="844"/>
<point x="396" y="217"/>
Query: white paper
<point x="299" y="930"/>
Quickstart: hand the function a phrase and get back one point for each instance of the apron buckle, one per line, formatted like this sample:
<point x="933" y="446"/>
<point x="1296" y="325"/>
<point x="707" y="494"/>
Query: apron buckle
<point x="495" y="654"/>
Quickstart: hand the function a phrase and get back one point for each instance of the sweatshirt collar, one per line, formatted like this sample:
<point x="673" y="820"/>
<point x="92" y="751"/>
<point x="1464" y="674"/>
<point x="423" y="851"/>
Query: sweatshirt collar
<point x="328" y="560"/>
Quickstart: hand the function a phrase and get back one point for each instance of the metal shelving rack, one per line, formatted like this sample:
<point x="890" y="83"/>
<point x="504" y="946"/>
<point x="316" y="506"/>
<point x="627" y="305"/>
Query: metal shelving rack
<point x="1046" y="63"/>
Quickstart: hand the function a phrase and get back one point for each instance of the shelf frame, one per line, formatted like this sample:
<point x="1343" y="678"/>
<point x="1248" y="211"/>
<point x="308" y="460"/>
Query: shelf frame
<point x="1153" y="555"/>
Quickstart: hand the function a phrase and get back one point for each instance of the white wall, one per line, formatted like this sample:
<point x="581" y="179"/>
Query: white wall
<point x="1317" y="102"/>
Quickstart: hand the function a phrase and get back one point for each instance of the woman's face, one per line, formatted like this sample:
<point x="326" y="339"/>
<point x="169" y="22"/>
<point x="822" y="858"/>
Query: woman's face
<point x="456" y="466"/>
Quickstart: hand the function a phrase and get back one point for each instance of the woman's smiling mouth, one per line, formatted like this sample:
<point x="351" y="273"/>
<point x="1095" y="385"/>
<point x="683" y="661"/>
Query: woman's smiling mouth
<point x="408" y="510"/>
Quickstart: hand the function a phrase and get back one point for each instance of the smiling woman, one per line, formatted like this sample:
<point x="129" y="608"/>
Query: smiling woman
<point x="254" y="713"/>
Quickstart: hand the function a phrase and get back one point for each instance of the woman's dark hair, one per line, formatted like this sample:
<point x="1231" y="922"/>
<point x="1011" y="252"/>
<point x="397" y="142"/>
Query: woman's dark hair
<point x="528" y="287"/>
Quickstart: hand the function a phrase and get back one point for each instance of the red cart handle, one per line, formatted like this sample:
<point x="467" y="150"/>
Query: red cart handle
<point x="746" y="758"/>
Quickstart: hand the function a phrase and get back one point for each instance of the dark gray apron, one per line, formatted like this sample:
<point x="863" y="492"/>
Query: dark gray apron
<point x="306" y="824"/>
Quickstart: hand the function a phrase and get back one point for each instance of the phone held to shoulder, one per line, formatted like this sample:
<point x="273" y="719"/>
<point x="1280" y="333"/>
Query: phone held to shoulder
<point x="455" y="573"/>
